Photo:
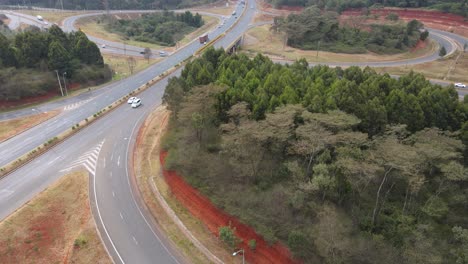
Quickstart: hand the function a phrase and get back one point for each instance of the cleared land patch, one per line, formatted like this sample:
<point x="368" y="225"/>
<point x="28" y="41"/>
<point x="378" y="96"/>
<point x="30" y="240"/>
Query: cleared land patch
<point x="54" y="227"/>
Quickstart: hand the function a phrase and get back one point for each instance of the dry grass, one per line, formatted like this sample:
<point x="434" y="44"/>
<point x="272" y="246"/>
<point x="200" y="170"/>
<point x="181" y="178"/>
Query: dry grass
<point x="45" y="229"/>
<point x="438" y="69"/>
<point x="220" y="9"/>
<point x="262" y="40"/>
<point x="119" y="64"/>
<point x="148" y="168"/>
<point x="11" y="127"/>
<point x="51" y="16"/>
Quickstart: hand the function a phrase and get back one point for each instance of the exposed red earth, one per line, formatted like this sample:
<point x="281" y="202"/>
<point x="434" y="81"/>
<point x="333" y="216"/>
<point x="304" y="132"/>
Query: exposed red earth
<point x="4" y="104"/>
<point x="202" y="208"/>
<point x="433" y="19"/>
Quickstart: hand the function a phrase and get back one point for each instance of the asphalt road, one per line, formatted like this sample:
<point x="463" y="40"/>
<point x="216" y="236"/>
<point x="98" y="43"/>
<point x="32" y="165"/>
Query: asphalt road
<point x="103" y="149"/>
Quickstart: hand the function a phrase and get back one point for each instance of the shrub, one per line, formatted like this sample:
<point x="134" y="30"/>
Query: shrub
<point x="392" y="17"/>
<point x="226" y="234"/>
<point x="80" y="241"/>
<point x="252" y="244"/>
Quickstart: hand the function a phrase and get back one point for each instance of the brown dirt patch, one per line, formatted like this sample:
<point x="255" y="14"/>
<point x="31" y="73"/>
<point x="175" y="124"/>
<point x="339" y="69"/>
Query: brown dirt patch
<point x="9" y="128"/>
<point x="45" y="228"/>
<point x="214" y="218"/>
<point x="433" y="19"/>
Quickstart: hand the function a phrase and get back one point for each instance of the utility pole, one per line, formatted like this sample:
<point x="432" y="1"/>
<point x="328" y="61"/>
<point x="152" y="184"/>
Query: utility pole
<point x="62" y="4"/>
<point x="65" y="83"/>
<point x="60" y="84"/>
<point x="318" y="47"/>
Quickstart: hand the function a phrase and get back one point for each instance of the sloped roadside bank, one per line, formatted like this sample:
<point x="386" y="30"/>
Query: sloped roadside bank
<point x="214" y="218"/>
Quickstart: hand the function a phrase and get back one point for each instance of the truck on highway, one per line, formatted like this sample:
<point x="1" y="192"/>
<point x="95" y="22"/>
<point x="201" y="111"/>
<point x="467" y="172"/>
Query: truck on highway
<point x="40" y="18"/>
<point x="203" y="39"/>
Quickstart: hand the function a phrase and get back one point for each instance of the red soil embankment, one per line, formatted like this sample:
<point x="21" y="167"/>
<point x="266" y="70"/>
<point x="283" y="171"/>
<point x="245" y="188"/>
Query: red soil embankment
<point x="434" y="19"/>
<point x="213" y="218"/>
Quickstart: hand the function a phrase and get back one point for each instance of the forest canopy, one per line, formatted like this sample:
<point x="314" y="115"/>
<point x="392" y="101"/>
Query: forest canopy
<point x="341" y="165"/>
<point x="314" y="29"/>
<point x="459" y="7"/>
<point x="29" y="59"/>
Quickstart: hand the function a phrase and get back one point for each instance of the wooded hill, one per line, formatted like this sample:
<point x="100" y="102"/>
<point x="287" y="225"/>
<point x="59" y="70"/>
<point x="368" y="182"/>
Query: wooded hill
<point x="343" y="166"/>
<point x="112" y="4"/>
<point x="164" y="28"/>
<point x="28" y="61"/>
<point x="314" y="29"/>
<point x="459" y="7"/>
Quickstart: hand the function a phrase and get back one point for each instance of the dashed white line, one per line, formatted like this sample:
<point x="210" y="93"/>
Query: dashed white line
<point x="110" y="175"/>
<point x="134" y="239"/>
<point x="118" y="161"/>
<point x="121" y="216"/>
<point x="53" y="161"/>
<point x="113" y="194"/>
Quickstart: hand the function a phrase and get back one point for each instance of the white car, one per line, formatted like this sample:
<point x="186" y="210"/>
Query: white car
<point x="460" y="85"/>
<point x="103" y="46"/>
<point x="131" y="99"/>
<point x="136" y="103"/>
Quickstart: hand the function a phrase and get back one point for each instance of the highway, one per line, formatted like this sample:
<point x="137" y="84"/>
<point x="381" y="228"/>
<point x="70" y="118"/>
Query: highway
<point x="102" y="148"/>
<point x="129" y="234"/>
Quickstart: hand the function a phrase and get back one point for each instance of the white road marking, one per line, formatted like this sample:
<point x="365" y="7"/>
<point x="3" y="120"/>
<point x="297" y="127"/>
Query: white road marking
<point x="121" y="216"/>
<point x="102" y="222"/>
<point x="110" y="174"/>
<point x="118" y="161"/>
<point x="134" y="239"/>
<point x="112" y="156"/>
<point x="113" y="194"/>
<point x="53" y="161"/>
<point x="88" y="159"/>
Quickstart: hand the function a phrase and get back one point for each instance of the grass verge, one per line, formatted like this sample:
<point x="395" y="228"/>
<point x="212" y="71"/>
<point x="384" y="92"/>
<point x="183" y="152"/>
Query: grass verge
<point x="54" y="227"/>
<point x="120" y="64"/>
<point x="443" y="69"/>
<point x="147" y="170"/>
<point x="262" y="40"/>
<point x="11" y="127"/>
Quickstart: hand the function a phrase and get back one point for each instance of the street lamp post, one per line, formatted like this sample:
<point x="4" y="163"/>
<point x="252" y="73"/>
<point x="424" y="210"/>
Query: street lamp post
<point x="243" y="255"/>
<point x="65" y="83"/>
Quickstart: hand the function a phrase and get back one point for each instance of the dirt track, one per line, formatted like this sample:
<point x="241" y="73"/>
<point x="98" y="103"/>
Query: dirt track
<point x="213" y="218"/>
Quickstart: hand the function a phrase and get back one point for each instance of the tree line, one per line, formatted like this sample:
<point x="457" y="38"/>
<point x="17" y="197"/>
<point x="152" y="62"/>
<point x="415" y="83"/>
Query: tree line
<point x="459" y="7"/>
<point x="164" y="28"/>
<point x="317" y="30"/>
<point x="29" y="59"/>
<point x="114" y="4"/>
<point x="343" y="166"/>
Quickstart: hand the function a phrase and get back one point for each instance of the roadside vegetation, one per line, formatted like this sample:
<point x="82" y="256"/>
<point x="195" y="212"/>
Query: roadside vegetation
<point x="459" y="7"/>
<point x="54" y="227"/>
<point x="343" y="166"/>
<point x="114" y="4"/>
<point x="164" y="28"/>
<point x="31" y="60"/>
<point x="313" y="29"/>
